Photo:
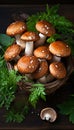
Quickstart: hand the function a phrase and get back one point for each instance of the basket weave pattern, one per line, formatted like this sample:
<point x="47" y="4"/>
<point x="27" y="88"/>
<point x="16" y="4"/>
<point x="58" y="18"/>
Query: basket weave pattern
<point x="51" y="86"/>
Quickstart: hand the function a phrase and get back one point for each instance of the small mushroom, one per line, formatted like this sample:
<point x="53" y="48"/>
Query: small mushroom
<point x="48" y="114"/>
<point x="45" y="29"/>
<point x="29" y="38"/>
<point x="16" y="29"/>
<point x="43" y="53"/>
<point x="27" y="64"/>
<point x="60" y="49"/>
<point x="58" y="70"/>
<point x="12" y="52"/>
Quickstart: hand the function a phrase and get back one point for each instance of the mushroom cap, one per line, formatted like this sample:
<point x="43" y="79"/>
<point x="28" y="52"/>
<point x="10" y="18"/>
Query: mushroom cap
<point x="45" y="28"/>
<point x="30" y="36"/>
<point x="41" y="71"/>
<point x="58" y="70"/>
<point x="60" y="48"/>
<point x="48" y="114"/>
<point x="15" y="28"/>
<point x="27" y="64"/>
<point x="12" y="52"/>
<point x="43" y="52"/>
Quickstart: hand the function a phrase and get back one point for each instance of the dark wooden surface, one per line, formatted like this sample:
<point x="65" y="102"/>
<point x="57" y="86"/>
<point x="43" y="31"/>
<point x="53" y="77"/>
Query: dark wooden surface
<point x="33" y="121"/>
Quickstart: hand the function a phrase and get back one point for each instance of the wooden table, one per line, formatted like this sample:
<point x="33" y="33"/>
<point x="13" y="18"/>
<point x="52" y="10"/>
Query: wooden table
<point x="33" y="121"/>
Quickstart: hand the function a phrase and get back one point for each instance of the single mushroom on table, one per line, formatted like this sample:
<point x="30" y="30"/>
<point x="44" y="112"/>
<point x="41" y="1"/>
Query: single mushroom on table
<point x="15" y="29"/>
<point x="48" y="114"/>
<point x="12" y="52"/>
<point x="45" y="30"/>
<point x="58" y="70"/>
<point x="59" y="49"/>
<point x="29" y="37"/>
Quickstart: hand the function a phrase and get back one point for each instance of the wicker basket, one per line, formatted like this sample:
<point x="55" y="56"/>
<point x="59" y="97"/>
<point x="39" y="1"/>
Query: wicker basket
<point x="55" y="84"/>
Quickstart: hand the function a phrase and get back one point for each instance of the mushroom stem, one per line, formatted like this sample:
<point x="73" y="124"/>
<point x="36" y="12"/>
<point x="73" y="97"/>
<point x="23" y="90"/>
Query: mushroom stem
<point x="19" y="41"/>
<point x="29" y="48"/>
<point x="46" y="78"/>
<point x="41" y="40"/>
<point x="47" y="117"/>
<point x="42" y="79"/>
<point x="56" y="58"/>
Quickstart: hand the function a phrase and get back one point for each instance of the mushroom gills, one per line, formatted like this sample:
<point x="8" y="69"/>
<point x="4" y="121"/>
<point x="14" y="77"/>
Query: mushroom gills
<point x="48" y="114"/>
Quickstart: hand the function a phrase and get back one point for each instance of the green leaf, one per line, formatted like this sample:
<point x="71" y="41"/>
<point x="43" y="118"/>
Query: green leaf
<point x="53" y="38"/>
<point x="8" y="85"/>
<point x="13" y="115"/>
<point x="37" y="92"/>
<point x="6" y="40"/>
<point x="71" y="117"/>
<point x="67" y="108"/>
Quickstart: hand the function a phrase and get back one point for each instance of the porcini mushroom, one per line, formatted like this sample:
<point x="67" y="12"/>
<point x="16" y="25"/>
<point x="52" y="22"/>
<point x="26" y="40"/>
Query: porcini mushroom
<point x="29" y="37"/>
<point x="27" y="64"/>
<point x="12" y="52"/>
<point x="43" y="52"/>
<point x="16" y="29"/>
<point x="58" y="70"/>
<point x="45" y="29"/>
<point x="48" y="114"/>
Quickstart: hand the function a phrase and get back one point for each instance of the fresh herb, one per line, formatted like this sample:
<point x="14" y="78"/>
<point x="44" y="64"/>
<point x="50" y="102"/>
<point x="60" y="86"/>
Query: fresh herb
<point x="67" y="108"/>
<point x="63" y="26"/>
<point x="16" y="116"/>
<point x="8" y="85"/>
<point x="37" y="92"/>
<point x="53" y="38"/>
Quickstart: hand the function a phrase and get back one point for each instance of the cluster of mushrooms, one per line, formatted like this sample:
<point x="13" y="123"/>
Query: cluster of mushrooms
<point x="32" y="56"/>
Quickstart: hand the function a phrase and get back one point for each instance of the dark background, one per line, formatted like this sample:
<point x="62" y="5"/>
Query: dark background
<point x="33" y="122"/>
<point x="36" y="1"/>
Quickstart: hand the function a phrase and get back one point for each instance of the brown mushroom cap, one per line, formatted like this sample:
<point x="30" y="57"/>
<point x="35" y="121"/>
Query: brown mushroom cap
<point x="58" y="70"/>
<point x="15" y="28"/>
<point x="60" y="48"/>
<point x="27" y="64"/>
<point x="12" y="52"/>
<point x="41" y="71"/>
<point x="45" y="28"/>
<point x="48" y="114"/>
<point x="43" y="52"/>
<point x="30" y="36"/>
